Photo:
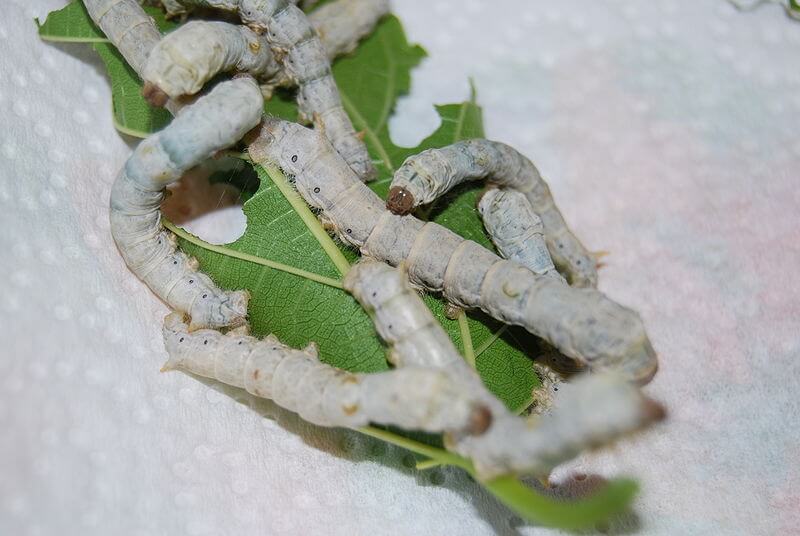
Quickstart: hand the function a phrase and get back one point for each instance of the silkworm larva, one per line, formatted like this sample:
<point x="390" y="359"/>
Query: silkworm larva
<point x="298" y="48"/>
<point x="412" y="398"/>
<point x="214" y="122"/>
<point x="343" y="23"/>
<point x="184" y="60"/>
<point x="516" y="230"/>
<point x="582" y="323"/>
<point x="428" y="175"/>
<point x="593" y="411"/>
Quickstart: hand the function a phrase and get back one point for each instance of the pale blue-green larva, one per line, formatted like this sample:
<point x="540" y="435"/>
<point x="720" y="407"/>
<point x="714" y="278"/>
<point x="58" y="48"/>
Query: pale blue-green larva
<point x="592" y="412"/>
<point x="581" y="322"/>
<point x="413" y="398"/>
<point x="426" y="176"/>
<point x="211" y="124"/>
<point x="303" y="56"/>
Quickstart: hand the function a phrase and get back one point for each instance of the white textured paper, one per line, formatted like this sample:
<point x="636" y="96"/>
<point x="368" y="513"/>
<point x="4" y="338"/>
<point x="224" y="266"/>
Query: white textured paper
<point x="669" y="133"/>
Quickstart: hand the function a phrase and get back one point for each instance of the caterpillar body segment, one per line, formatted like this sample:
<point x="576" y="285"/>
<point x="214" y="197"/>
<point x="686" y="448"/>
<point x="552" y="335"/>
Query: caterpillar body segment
<point x="581" y="323"/>
<point x="428" y="175"/>
<point x="191" y="55"/>
<point x="214" y="122"/>
<point x="516" y="230"/>
<point x="412" y="398"/>
<point x="298" y="48"/>
<point x="184" y="60"/>
<point x="594" y="411"/>
<point x="343" y="23"/>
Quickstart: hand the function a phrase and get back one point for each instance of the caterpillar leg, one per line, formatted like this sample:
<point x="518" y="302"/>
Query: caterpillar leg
<point x="428" y="175"/>
<point x="412" y="398"/>
<point x="304" y="59"/>
<point x="214" y="122"/>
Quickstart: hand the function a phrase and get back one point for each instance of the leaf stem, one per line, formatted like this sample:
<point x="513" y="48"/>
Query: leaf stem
<point x="490" y="341"/>
<point x="311" y="221"/>
<point x="466" y="338"/>
<point x="250" y="258"/>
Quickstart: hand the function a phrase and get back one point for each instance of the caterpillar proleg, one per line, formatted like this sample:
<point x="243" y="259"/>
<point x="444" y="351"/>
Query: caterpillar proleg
<point x="516" y="230"/>
<point x="426" y="176"/>
<point x="298" y="48"/>
<point x="412" y="398"/>
<point x="581" y="323"/>
<point x="214" y="122"/>
<point x="592" y="412"/>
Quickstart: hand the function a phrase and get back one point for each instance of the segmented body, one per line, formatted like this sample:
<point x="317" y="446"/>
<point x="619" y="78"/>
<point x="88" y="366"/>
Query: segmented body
<point x="184" y="60"/>
<point x="343" y="23"/>
<point x="304" y="58"/>
<point x="581" y="323"/>
<point x="412" y="398"/>
<point x="516" y="230"/>
<point x="214" y="122"/>
<point x="426" y="176"/>
<point x="594" y="411"/>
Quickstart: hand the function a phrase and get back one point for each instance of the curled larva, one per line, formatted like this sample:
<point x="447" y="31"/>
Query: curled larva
<point x="214" y="122"/>
<point x="412" y="398"/>
<point x="581" y="323"/>
<point x="298" y="48"/>
<point x="593" y="412"/>
<point x="516" y="230"/>
<point x="184" y="60"/>
<point x="426" y="176"/>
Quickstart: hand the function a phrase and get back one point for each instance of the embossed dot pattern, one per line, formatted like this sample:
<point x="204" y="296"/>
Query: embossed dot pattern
<point x="668" y="132"/>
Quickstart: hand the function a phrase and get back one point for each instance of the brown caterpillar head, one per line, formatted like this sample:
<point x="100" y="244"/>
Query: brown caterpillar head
<point x="400" y="201"/>
<point x="154" y="95"/>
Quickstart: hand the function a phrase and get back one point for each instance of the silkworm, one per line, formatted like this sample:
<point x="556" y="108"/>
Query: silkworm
<point x="184" y="60"/>
<point x="591" y="411"/>
<point x="582" y="323"/>
<point x="298" y="48"/>
<point x="428" y="175"/>
<point x="516" y="230"/>
<point x="594" y="411"/>
<point x="212" y="123"/>
<point x="412" y="398"/>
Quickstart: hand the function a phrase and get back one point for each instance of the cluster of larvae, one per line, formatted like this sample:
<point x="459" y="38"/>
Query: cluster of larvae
<point x="545" y="280"/>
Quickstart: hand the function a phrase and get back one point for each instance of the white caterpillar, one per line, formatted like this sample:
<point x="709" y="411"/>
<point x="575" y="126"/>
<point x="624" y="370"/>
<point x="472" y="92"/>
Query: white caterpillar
<point x="516" y="230"/>
<point x="412" y="398"/>
<point x="426" y="176"/>
<point x="214" y="122"/>
<point x="594" y="411"/>
<point x="298" y="48"/>
<point x="581" y="323"/>
<point x="185" y="59"/>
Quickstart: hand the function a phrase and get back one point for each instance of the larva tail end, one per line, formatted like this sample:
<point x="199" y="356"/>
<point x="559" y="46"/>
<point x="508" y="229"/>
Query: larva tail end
<point x="154" y="95"/>
<point x="400" y="201"/>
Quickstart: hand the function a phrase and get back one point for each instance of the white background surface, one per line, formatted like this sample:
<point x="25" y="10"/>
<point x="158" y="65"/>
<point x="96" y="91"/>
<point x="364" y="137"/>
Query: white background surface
<point x="668" y="131"/>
